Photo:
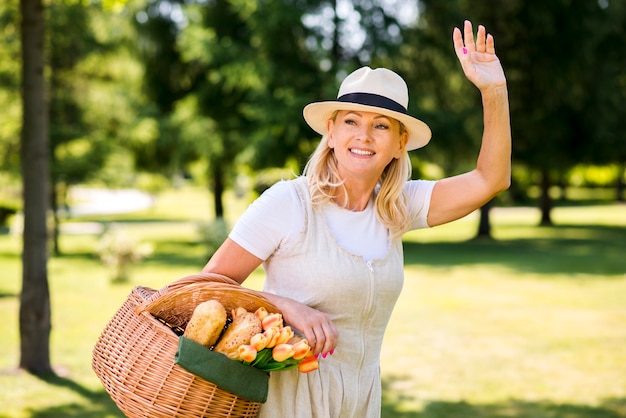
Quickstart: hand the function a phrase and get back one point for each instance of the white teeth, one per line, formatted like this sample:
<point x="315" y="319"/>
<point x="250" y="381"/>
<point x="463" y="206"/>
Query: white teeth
<point x="361" y="152"/>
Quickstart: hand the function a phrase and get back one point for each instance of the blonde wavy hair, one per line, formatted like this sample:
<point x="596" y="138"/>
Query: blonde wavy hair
<point x="391" y="202"/>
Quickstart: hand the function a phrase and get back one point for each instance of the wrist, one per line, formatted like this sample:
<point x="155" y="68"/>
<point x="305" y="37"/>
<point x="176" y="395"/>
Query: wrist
<point x="495" y="90"/>
<point x="495" y="94"/>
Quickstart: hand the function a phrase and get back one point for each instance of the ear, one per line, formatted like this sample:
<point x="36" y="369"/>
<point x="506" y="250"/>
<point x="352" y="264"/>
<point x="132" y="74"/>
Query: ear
<point x="330" y="124"/>
<point x="404" y="139"/>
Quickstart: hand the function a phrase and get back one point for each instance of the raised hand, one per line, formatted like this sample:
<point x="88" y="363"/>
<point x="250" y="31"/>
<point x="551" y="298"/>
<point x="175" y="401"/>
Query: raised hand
<point x="478" y="58"/>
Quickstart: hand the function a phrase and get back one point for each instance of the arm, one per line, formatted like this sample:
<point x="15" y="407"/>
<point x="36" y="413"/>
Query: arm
<point x="457" y="196"/>
<point x="233" y="261"/>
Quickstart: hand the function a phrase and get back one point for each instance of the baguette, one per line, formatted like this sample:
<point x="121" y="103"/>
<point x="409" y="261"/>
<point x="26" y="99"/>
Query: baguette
<point x="244" y="326"/>
<point x="207" y="323"/>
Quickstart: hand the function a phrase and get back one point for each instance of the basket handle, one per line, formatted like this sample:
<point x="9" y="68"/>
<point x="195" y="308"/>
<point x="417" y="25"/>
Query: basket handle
<point x="184" y="292"/>
<point x="191" y="279"/>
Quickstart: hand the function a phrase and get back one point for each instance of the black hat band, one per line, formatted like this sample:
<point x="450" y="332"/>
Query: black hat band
<point x="375" y="100"/>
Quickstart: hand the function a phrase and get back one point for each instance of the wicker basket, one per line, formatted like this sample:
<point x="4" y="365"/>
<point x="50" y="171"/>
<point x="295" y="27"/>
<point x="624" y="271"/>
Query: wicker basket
<point x="134" y="356"/>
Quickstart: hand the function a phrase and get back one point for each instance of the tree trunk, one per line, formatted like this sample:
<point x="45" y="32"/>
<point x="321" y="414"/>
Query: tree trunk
<point x="336" y="49"/>
<point x="619" y="188"/>
<point x="545" y="202"/>
<point x="484" y="226"/>
<point x="54" y="203"/>
<point x="218" y="189"/>
<point x="34" y="320"/>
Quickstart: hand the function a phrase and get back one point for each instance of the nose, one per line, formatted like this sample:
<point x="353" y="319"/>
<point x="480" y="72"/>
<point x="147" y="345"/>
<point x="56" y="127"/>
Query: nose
<point x="364" y="132"/>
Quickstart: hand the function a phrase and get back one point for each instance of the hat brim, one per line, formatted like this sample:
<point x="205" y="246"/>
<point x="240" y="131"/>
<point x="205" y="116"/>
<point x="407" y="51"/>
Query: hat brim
<point x="317" y="115"/>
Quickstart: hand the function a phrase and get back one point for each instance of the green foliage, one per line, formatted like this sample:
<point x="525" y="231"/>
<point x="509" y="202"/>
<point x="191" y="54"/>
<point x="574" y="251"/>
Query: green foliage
<point x="594" y="176"/>
<point x="223" y="83"/>
<point x="564" y="96"/>
<point x="230" y="78"/>
<point x="10" y="59"/>
<point x="93" y="93"/>
<point x="6" y="212"/>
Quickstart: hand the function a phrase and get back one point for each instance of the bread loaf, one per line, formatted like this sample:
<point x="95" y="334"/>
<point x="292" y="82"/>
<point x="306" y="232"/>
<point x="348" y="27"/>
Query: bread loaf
<point x="240" y="331"/>
<point x="207" y="323"/>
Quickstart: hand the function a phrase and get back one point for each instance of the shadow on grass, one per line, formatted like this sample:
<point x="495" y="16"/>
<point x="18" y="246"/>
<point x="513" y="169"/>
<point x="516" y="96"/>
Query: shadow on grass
<point x="178" y="253"/>
<point x="392" y="408"/>
<point x="576" y="249"/>
<point x="8" y="295"/>
<point x="99" y="403"/>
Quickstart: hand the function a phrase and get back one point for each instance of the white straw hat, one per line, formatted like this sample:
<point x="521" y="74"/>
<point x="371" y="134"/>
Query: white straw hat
<point x="380" y="91"/>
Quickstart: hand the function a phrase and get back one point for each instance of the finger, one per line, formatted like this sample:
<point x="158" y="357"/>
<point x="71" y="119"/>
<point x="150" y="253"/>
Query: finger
<point x="480" y="39"/>
<point x="491" y="45"/>
<point x="330" y="343"/>
<point x="457" y="39"/>
<point x="316" y="339"/>
<point x="469" y="36"/>
<point x="323" y="340"/>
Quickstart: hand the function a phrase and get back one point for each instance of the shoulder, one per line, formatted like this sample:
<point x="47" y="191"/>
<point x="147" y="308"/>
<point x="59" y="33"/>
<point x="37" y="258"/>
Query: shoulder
<point x="271" y="222"/>
<point x="419" y="187"/>
<point x="282" y="203"/>
<point x="283" y="190"/>
<point x="419" y="193"/>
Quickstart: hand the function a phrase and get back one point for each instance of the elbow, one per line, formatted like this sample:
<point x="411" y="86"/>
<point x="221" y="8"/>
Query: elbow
<point x="502" y="182"/>
<point x="495" y="180"/>
<point x="506" y="184"/>
<point x="500" y="186"/>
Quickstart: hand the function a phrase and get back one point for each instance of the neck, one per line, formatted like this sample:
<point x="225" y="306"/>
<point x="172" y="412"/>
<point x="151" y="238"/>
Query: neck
<point x="358" y="196"/>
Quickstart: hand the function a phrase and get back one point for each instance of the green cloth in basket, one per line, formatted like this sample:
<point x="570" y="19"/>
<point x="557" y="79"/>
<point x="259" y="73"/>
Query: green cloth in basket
<point x="230" y="375"/>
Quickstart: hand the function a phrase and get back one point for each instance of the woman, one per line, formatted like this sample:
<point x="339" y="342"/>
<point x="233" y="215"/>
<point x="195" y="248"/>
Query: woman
<point x="330" y="240"/>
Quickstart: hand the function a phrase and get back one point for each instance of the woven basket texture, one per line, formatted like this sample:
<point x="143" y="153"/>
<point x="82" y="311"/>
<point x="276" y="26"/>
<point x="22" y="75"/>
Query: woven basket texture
<point x="134" y="356"/>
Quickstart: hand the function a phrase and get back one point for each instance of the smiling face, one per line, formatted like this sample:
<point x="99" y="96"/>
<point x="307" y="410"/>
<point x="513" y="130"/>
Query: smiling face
<point x="365" y="143"/>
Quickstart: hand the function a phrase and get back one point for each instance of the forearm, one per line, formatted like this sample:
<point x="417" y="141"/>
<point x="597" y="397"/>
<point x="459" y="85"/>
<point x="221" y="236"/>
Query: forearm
<point x="494" y="159"/>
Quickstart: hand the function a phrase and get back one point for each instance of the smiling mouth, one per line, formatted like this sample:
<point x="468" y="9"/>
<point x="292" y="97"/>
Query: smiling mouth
<point x="361" y="152"/>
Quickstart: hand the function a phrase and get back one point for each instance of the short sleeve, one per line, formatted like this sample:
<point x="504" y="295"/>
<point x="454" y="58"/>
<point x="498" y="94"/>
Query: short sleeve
<point x="272" y="221"/>
<point x="419" y="193"/>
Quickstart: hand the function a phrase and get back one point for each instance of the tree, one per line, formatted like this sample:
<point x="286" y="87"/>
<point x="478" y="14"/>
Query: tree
<point x="66" y="49"/>
<point x="250" y="68"/>
<point x="35" y="323"/>
<point x="217" y="80"/>
<point x="563" y="94"/>
<point x="307" y="51"/>
<point x="604" y="111"/>
<point x="159" y="143"/>
<point x="230" y="74"/>
<point x="92" y="99"/>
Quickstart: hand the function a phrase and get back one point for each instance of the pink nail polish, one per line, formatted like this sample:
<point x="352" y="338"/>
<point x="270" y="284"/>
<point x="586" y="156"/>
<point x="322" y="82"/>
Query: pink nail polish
<point x="332" y="351"/>
<point x="317" y="356"/>
<point x="324" y="355"/>
<point x="464" y="51"/>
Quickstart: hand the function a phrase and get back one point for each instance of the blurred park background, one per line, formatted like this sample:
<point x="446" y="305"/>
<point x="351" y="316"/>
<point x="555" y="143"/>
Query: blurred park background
<point x="160" y="121"/>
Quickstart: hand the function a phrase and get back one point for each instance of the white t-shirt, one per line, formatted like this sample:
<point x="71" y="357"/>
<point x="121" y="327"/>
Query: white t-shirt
<point x="274" y="220"/>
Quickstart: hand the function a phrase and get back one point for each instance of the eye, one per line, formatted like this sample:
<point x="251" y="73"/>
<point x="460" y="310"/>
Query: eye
<point x="349" y="121"/>
<point x="383" y="126"/>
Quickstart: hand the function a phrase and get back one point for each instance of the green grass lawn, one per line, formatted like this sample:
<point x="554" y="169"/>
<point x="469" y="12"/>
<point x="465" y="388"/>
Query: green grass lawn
<point x="531" y="324"/>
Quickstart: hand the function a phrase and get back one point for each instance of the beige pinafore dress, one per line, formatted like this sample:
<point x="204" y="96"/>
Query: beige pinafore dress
<point x="359" y="295"/>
